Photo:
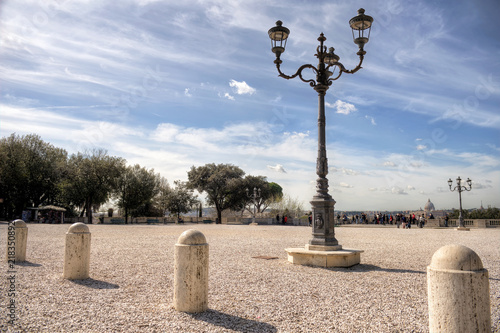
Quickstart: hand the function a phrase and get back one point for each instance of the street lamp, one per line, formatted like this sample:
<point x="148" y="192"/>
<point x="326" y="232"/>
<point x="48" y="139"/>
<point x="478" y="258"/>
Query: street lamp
<point x="460" y="189"/>
<point x="254" y="196"/>
<point x="323" y="203"/>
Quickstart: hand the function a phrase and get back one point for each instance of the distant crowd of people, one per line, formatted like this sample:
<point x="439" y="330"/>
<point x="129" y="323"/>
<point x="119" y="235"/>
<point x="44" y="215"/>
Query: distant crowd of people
<point x="284" y="219"/>
<point x="401" y="220"/>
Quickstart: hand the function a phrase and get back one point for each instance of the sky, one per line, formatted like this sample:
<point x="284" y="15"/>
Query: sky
<point x="173" y="84"/>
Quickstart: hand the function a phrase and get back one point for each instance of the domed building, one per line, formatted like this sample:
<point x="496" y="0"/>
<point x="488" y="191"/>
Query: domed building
<point x="429" y="206"/>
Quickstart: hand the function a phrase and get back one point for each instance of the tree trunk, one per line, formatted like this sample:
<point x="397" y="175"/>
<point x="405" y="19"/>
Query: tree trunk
<point x="219" y="216"/>
<point x="89" y="211"/>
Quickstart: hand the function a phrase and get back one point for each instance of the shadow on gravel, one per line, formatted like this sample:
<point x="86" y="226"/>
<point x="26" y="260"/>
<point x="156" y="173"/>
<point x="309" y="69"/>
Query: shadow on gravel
<point x="95" y="284"/>
<point x="371" y="268"/>
<point x="28" y="264"/>
<point x="234" y="323"/>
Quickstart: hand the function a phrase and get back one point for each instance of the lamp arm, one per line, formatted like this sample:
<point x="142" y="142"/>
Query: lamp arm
<point x="311" y="82"/>
<point x="355" y="69"/>
<point x="340" y="72"/>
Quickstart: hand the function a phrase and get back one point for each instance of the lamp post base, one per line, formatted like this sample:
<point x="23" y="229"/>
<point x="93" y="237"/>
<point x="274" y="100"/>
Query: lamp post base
<point x="323" y="223"/>
<point x="323" y="249"/>
<point x="338" y="258"/>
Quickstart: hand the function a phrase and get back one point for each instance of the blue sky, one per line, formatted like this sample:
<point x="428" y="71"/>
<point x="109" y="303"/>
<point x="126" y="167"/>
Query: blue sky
<point x="169" y="85"/>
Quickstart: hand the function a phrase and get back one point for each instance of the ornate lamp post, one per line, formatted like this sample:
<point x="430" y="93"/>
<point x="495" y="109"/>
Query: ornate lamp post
<point x="323" y="203"/>
<point x="254" y="196"/>
<point x="460" y="189"/>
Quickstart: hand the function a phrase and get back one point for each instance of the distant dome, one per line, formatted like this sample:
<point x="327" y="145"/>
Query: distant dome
<point x="429" y="206"/>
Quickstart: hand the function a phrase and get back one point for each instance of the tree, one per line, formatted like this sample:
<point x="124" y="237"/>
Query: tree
<point x="490" y="213"/>
<point x="91" y="179"/>
<point x="160" y="201"/>
<point x="181" y="199"/>
<point x="30" y="171"/>
<point x="288" y="206"/>
<point x="223" y="184"/>
<point x="136" y="187"/>
<point x="269" y="192"/>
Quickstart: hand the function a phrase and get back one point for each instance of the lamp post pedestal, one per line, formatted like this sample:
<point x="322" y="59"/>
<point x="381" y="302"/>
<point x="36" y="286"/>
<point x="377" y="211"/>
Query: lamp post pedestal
<point x="323" y="250"/>
<point x="323" y="226"/>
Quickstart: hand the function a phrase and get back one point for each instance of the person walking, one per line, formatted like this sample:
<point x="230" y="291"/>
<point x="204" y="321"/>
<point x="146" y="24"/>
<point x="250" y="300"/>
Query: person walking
<point x="421" y="221"/>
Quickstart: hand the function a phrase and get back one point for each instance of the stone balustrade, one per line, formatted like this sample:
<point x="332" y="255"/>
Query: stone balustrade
<point x="469" y="223"/>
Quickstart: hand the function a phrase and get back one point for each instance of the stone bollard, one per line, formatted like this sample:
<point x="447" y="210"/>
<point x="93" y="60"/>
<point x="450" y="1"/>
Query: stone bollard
<point x="17" y="237"/>
<point x="191" y="272"/>
<point x="77" y="253"/>
<point x="458" y="291"/>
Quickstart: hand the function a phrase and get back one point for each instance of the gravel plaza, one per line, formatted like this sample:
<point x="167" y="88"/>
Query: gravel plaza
<point x="131" y="280"/>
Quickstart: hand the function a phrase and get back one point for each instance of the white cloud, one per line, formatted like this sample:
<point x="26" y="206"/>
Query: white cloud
<point x="342" y="107"/>
<point x="478" y="186"/>
<point x="187" y="93"/>
<point x="342" y="184"/>
<point x="410" y="188"/>
<point x="278" y="168"/>
<point x="390" y="164"/>
<point x="349" y="172"/>
<point x="372" y="120"/>
<point x="397" y="190"/>
<point x="241" y="88"/>
<point x="421" y="147"/>
<point x="229" y="97"/>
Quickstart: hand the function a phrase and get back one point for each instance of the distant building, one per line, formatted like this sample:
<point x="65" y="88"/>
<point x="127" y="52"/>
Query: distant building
<point x="429" y="206"/>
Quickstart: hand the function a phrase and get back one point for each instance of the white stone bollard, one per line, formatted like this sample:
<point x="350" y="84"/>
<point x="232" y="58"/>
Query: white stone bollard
<point x="77" y="253"/>
<point x="17" y="237"/>
<point x="458" y="291"/>
<point x="191" y="272"/>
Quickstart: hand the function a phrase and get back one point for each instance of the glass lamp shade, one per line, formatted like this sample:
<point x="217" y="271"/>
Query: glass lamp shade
<point x="359" y="24"/>
<point x="469" y="182"/>
<point x="331" y="58"/>
<point x="450" y="182"/>
<point x="278" y="35"/>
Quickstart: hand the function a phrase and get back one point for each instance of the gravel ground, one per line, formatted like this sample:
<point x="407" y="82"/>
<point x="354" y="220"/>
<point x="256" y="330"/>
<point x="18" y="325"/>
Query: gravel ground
<point x="131" y="284"/>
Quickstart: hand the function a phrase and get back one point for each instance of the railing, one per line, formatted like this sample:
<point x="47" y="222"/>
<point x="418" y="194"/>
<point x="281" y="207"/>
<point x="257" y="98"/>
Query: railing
<point x="477" y="223"/>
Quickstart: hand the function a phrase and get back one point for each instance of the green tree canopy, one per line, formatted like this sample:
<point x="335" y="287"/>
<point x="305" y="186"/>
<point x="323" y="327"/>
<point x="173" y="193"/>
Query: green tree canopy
<point x="160" y="201"/>
<point x="490" y="213"/>
<point x="181" y="199"/>
<point x="223" y="184"/>
<point x="269" y="192"/>
<point x="30" y="170"/>
<point x="92" y="177"/>
<point x="136" y="187"/>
